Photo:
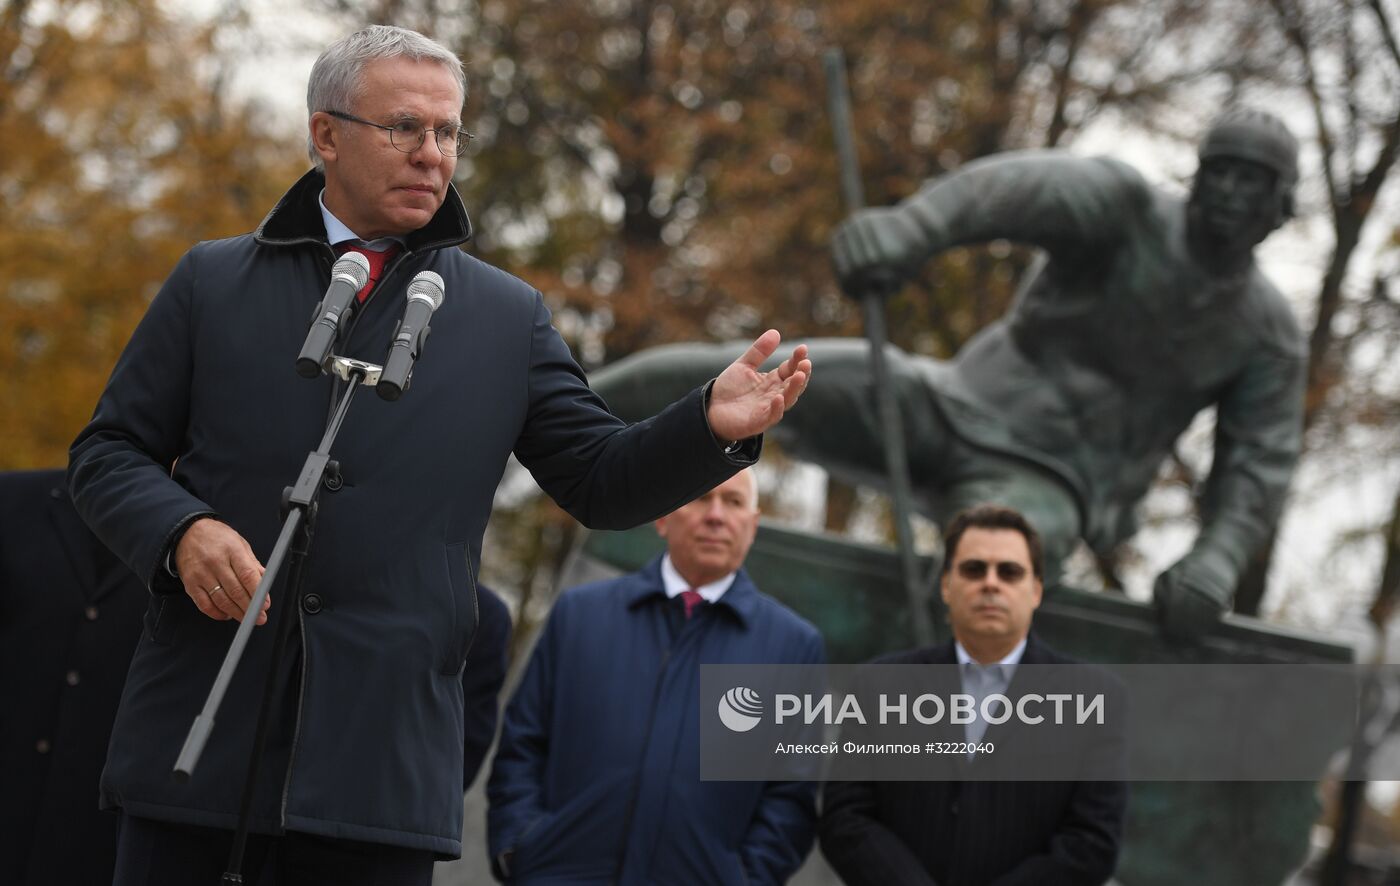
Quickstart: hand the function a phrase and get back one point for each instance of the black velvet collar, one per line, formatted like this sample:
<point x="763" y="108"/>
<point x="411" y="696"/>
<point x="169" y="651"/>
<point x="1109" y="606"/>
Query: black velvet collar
<point x="296" y="219"/>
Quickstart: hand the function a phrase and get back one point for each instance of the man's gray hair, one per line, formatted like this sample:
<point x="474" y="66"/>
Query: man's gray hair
<point x="335" y="78"/>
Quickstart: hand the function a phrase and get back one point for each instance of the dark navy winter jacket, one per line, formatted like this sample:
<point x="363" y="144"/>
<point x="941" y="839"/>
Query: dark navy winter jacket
<point x="205" y="414"/>
<point x="597" y="775"/>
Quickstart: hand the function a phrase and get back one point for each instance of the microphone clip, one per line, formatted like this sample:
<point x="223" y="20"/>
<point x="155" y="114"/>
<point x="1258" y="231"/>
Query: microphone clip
<point x="348" y="369"/>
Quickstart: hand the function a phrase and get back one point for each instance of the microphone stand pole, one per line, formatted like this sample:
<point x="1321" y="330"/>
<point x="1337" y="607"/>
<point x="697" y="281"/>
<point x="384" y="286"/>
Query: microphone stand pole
<point x="293" y="545"/>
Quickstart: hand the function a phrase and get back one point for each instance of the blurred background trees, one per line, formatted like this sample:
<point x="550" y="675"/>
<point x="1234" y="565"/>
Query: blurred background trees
<point x="119" y="148"/>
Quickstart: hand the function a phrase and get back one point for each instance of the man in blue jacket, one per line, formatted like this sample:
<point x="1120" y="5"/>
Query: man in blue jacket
<point x="597" y="777"/>
<point x="204" y="421"/>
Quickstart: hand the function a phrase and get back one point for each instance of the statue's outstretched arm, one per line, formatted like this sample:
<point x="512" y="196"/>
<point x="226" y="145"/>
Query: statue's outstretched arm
<point x="835" y="425"/>
<point x="1074" y="207"/>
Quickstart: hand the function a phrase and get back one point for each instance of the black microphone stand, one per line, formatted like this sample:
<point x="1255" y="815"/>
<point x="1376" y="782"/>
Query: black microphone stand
<point x="293" y="545"/>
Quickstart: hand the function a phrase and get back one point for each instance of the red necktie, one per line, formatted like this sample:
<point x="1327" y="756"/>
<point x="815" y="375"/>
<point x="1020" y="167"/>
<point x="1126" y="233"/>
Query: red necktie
<point x="692" y="599"/>
<point x="377" y="261"/>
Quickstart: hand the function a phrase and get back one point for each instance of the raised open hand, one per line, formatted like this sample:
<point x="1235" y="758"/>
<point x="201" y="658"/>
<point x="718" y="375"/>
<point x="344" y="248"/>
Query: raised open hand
<point x="745" y="401"/>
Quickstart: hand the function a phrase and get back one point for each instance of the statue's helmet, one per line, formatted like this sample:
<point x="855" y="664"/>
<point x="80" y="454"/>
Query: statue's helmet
<point x="1250" y="134"/>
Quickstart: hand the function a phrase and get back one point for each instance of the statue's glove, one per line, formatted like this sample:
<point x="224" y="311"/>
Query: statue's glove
<point x="876" y="250"/>
<point x="1193" y="594"/>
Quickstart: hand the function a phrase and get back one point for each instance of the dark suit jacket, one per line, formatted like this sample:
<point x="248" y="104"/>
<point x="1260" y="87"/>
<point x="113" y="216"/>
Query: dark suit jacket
<point x="973" y="833"/>
<point x="481" y="681"/>
<point x="70" y="615"/>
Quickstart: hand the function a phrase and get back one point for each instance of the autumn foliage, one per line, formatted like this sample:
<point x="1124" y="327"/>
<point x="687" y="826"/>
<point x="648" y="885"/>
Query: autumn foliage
<point x="115" y="157"/>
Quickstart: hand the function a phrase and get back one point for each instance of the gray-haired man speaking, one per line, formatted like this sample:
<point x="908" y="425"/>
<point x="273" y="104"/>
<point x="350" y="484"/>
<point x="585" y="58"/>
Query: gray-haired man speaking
<point x="204" y="421"/>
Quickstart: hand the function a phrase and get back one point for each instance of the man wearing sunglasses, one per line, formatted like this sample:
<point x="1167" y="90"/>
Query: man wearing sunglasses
<point x="204" y="422"/>
<point x="979" y="832"/>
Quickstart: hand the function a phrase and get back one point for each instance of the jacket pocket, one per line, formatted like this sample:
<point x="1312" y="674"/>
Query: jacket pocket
<point x="580" y="829"/>
<point x="159" y="619"/>
<point x="464" y="608"/>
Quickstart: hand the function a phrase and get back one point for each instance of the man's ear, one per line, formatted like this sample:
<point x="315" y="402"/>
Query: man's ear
<point x="660" y="525"/>
<point x="323" y="135"/>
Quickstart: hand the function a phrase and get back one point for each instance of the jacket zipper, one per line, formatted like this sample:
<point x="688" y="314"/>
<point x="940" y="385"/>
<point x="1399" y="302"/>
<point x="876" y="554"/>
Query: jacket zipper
<point x="646" y="744"/>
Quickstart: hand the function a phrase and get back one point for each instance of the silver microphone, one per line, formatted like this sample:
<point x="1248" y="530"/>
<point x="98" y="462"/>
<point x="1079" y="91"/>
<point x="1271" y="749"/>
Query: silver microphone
<point x="425" y="294"/>
<point x="349" y="275"/>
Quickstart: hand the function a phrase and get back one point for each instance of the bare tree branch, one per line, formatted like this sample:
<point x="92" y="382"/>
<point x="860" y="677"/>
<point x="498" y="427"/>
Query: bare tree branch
<point x="1387" y="31"/>
<point x="1290" y="19"/>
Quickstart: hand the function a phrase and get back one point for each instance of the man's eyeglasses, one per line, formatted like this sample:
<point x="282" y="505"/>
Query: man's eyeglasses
<point x="976" y="570"/>
<point x="408" y="135"/>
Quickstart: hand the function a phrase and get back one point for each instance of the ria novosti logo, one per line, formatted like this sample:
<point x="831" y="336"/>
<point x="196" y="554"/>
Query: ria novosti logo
<point x="740" y="709"/>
